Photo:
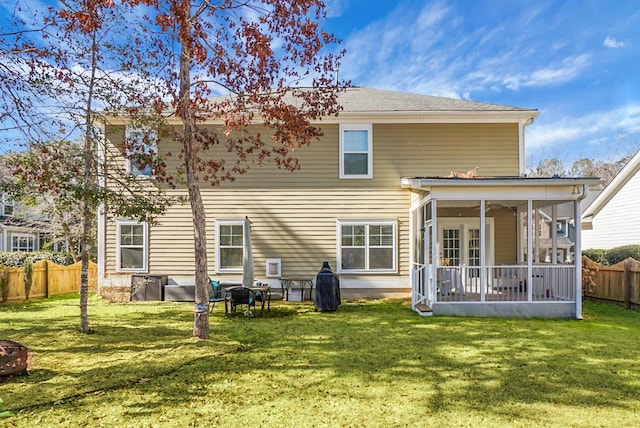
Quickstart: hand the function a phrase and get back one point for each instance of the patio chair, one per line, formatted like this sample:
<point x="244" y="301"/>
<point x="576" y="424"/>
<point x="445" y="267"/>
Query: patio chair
<point x="239" y="298"/>
<point x="216" y="294"/>
<point x="450" y="282"/>
<point x="445" y="282"/>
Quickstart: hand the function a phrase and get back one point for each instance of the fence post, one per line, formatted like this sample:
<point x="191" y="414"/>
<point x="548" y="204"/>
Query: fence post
<point x="627" y="283"/>
<point x="46" y="279"/>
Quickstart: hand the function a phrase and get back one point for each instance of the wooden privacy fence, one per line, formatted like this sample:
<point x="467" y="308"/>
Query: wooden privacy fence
<point x="49" y="279"/>
<point x="619" y="283"/>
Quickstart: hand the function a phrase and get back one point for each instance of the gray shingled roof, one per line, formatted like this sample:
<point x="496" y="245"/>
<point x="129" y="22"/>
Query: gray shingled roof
<point x="358" y="100"/>
<point x="377" y="100"/>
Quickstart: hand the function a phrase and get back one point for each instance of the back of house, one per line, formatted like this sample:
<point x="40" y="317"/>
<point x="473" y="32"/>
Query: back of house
<point x="344" y="205"/>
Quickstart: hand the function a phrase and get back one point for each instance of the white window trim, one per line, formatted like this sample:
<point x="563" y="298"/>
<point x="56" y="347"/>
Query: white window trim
<point x="464" y="224"/>
<point x="154" y="138"/>
<point x="145" y="251"/>
<point x="357" y="127"/>
<point x="367" y="223"/>
<point x="31" y="236"/>
<point x="226" y="222"/>
<point x="274" y="268"/>
<point x="7" y="201"/>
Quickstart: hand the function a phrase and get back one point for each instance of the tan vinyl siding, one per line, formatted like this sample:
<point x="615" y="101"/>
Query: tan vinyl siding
<point x="401" y="150"/>
<point x="506" y="247"/>
<point x="294" y="213"/>
<point x="426" y="150"/>
<point x="297" y="226"/>
<point x="432" y="150"/>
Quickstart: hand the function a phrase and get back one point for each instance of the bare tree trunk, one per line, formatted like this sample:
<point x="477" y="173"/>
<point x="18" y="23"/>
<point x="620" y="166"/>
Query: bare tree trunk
<point x="87" y="153"/>
<point x="84" y="271"/>
<point x="201" y="313"/>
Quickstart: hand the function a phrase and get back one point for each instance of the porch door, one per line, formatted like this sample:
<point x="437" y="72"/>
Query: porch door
<point x="428" y="256"/>
<point x="426" y="243"/>
<point x="460" y="244"/>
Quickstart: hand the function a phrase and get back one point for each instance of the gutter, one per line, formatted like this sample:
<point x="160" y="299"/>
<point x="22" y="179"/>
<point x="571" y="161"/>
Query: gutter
<point x="578" y="249"/>
<point x="528" y="121"/>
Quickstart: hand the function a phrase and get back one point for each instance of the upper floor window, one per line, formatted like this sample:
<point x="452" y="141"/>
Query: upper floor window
<point x="7" y="205"/>
<point x="141" y="149"/>
<point x="131" y="246"/>
<point x="367" y="246"/>
<point x="230" y="244"/>
<point x="356" y="151"/>
<point x="561" y="229"/>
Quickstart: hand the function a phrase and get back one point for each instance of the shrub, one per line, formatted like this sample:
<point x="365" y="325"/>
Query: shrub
<point x="598" y="256"/>
<point x="4" y="283"/>
<point x="17" y="258"/>
<point x="619" y="254"/>
<point x="613" y="255"/>
<point x="28" y="276"/>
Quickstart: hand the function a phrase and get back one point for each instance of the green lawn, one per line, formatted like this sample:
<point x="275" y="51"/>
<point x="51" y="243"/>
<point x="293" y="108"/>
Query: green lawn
<point x="371" y="364"/>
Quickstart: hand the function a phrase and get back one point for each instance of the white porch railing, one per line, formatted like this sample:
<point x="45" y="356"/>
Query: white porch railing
<point x="547" y="283"/>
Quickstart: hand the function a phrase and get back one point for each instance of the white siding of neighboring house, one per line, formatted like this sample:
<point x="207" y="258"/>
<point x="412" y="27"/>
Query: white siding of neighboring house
<point x="618" y="222"/>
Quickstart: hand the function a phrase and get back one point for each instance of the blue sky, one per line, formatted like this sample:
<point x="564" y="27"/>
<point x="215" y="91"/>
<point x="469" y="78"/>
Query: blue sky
<point x="577" y="62"/>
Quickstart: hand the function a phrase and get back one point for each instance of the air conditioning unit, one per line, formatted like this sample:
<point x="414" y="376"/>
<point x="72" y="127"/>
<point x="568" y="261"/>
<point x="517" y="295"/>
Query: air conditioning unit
<point x="148" y="287"/>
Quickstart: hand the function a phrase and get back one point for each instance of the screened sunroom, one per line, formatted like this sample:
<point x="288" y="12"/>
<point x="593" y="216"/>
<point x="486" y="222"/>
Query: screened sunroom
<point x="496" y="246"/>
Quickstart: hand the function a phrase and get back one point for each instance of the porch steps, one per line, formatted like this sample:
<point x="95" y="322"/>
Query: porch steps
<point x="424" y="310"/>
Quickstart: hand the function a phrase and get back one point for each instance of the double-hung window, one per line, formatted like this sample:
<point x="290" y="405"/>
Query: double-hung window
<point x="141" y="151"/>
<point x="356" y="151"/>
<point x="23" y="242"/>
<point x="7" y="205"/>
<point x="132" y="246"/>
<point x="367" y="246"/>
<point x="230" y="244"/>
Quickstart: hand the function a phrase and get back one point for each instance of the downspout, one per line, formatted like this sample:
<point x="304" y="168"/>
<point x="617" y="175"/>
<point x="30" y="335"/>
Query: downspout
<point x="101" y="218"/>
<point x="578" y="249"/>
<point x="526" y="122"/>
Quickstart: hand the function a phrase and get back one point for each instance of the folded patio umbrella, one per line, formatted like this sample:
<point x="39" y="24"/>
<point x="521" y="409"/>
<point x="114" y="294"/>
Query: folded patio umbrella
<point x="247" y="257"/>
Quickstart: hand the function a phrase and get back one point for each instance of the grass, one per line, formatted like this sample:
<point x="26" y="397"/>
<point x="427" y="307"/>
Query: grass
<point x="370" y="364"/>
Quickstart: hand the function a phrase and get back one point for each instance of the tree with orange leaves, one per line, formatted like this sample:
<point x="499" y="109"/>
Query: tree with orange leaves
<point x="259" y="53"/>
<point x="266" y="59"/>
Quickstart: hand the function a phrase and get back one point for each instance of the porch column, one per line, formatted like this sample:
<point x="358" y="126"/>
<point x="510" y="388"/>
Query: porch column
<point x="554" y="233"/>
<point x="578" y="257"/>
<point x="530" y="250"/>
<point x="483" y="248"/>
<point x="434" y="249"/>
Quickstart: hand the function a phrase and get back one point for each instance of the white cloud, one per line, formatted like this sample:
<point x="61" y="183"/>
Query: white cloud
<point x="432" y="50"/>
<point x="588" y="135"/>
<point x="610" y="42"/>
<point x="568" y="70"/>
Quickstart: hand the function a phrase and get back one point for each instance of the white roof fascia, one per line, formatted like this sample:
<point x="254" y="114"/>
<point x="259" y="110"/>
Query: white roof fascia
<point x="420" y="183"/>
<point x="517" y="116"/>
<point x="625" y="174"/>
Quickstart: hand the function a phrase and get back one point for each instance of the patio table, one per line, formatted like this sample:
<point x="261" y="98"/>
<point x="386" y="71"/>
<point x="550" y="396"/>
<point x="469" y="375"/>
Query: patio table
<point x="263" y="290"/>
<point x="288" y="284"/>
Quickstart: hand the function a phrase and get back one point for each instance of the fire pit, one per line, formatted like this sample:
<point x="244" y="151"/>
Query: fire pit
<point x="14" y="358"/>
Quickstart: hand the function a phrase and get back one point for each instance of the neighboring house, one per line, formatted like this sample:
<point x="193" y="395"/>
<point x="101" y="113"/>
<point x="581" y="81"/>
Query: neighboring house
<point x="380" y="197"/>
<point x="20" y="231"/>
<point x="565" y="227"/>
<point x="565" y="234"/>
<point x="611" y="220"/>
